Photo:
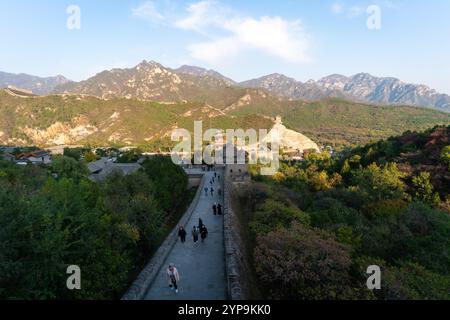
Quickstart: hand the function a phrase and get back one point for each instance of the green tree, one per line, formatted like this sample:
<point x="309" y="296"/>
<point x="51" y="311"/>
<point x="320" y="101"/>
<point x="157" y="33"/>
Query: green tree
<point x="423" y="189"/>
<point x="381" y="182"/>
<point x="163" y="172"/>
<point x="67" y="167"/>
<point x="130" y="156"/>
<point x="275" y="214"/>
<point x="90" y="157"/>
<point x="445" y="156"/>
<point x="110" y="230"/>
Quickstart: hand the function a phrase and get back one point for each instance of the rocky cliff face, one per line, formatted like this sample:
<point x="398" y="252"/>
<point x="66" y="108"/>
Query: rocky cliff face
<point x="61" y="133"/>
<point x="146" y="81"/>
<point x="151" y="81"/>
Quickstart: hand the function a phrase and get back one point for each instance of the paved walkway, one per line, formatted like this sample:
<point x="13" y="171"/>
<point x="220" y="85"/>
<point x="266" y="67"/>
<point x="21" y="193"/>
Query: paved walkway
<point x="202" y="265"/>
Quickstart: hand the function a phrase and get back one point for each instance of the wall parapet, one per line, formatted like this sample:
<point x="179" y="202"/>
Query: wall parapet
<point x="231" y="244"/>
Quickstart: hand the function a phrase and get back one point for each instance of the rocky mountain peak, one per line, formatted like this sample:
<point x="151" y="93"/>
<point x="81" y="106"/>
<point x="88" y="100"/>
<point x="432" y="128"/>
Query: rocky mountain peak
<point x="149" y="80"/>
<point x="208" y="75"/>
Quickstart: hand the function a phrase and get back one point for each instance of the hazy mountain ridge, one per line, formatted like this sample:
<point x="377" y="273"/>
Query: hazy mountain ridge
<point x="360" y="87"/>
<point x="207" y="75"/>
<point x="38" y="85"/>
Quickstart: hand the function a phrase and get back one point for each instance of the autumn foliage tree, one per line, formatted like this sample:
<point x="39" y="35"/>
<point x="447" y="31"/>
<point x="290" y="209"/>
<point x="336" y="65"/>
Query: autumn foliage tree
<point x="303" y="263"/>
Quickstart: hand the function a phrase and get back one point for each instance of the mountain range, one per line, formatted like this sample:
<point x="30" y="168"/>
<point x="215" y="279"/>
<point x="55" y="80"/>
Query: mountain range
<point x="39" y="86"/>
<point x="360" y="87"/>
<point x="152" y="81"/>
<point x="141" y="106"/>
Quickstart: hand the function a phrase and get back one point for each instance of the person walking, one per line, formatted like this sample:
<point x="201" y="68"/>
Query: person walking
<point x="212" y="192"/>
<point x="195" y="234"/>
<point x="206" y="191"/>
<point x="219" y="210"/>
<point x="203" y="233"/>
<point x="173" y="276"/>
<point x="200" y="223"/>
<point x="182" y="234"/>
<point x="215" y="209"/>
<point x="215" y="174"/>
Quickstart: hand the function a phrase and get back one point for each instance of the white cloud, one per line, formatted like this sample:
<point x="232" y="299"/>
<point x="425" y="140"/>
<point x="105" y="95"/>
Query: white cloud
<point x="273" y="35"/>
<point x="202" y="14"/>
<point x="231" y="34"/>
<point x="148" y="11"/>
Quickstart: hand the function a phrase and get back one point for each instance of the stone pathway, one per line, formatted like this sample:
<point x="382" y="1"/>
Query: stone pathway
<point x="201" y="265"/>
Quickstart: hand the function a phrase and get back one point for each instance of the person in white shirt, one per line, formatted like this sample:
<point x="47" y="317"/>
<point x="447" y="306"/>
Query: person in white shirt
<point x="173" y="276"/>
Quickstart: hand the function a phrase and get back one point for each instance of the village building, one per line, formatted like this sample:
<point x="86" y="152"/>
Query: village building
<point x="104" y="167"/>
<point x="35" y="157"/>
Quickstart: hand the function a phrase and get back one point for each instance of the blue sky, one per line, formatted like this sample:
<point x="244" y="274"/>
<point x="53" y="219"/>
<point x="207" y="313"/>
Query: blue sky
<point x="242" y="39"/>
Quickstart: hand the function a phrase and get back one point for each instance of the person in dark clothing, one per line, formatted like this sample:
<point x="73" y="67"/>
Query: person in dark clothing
<point x="200" y="223"/>
<point x="212" y="192"/>
<point x="215" y="209"/>
<point x="182" y="234"/>
<point x="195" y="234"/>
<point x="215" y="174"/>
<point x="219" y="210"/>
<point x="203" y="233"/>
<point x="206" y="191"/>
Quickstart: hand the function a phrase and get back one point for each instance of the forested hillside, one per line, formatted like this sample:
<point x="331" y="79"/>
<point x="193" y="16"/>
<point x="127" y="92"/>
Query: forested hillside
<point x="342" y="123"/>
<point x="66" y="120"/>
<point x="317" y="225"/>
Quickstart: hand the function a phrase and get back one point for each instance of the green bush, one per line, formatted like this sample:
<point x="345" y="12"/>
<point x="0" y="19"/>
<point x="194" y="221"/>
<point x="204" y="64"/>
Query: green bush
<point x="273" y="215"/>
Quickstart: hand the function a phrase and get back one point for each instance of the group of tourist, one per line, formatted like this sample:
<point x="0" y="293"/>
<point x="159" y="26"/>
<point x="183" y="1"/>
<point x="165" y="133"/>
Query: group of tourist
<point x="197" y="232"/>
<point x="211" y="187"/>
<point x="217" y="209"/>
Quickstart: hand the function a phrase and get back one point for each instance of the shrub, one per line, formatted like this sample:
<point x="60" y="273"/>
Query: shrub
<point x="302" y="263"/>
<point x="274" y="214"/>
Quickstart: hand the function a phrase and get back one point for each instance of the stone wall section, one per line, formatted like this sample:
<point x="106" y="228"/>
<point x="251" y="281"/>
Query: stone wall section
<point x="233" y="254"/>
<point x="139" y="288"/>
